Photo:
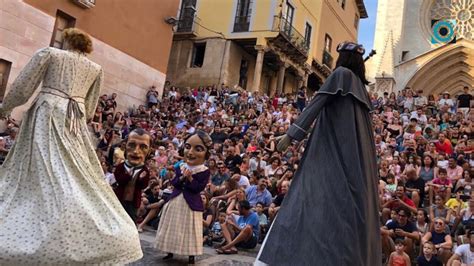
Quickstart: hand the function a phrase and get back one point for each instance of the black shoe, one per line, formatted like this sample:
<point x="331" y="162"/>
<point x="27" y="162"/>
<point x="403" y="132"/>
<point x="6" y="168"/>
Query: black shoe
<point x="169" y="256"/>
<point x="191" y="260"/>
<point x="209" y="242"/>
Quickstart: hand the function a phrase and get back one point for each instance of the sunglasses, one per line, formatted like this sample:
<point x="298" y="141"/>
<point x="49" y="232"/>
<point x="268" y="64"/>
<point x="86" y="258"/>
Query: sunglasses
<point x="440" y="223"/>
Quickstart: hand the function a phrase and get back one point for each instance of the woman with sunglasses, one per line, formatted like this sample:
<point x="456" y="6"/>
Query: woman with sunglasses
<point x="442" y="241"/>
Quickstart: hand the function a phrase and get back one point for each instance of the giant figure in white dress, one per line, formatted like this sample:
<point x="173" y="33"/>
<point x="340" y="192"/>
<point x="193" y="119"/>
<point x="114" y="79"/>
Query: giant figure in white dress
<point x="55" y="206"/>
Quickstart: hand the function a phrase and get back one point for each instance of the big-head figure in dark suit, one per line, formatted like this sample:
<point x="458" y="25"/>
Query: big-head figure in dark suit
<point x="133" y="176"/>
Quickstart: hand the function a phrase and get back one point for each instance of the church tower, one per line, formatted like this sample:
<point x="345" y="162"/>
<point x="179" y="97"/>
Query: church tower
<point x="387" y="39"/>
<point x="427" y="45"/>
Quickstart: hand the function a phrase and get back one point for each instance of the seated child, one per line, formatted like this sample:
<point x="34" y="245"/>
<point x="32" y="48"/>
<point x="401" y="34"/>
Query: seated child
<point x="428" y="258"/>
<point x="215" y="233"/>
<point x="399" y="257"/>
<point x="262" y="219"/>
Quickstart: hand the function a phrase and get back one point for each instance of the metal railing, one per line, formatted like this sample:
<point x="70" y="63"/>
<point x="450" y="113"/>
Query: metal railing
<point x="84" y="3"/>
<point x="327" y="59"/>
<point x="286" y="29"/>
<point x="188" y="24"/>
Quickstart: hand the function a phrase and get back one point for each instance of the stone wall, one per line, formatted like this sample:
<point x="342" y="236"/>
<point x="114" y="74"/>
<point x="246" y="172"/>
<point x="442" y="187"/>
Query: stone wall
<point x="222" y="61"/>
<point x="236" y="54"/>
<point x="25" y="29"/>
<point x="181" y="73"/>
<point x="291" y="83"/>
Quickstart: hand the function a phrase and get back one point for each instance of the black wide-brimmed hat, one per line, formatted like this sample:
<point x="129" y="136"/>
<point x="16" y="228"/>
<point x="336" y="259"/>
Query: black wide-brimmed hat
<point x="351" y="47"/>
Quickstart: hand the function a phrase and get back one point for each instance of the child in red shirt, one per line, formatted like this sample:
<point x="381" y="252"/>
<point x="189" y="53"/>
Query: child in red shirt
<point x="399" y="257"/>
<point x="442" y="182"/>
<point x="443" y="145"/>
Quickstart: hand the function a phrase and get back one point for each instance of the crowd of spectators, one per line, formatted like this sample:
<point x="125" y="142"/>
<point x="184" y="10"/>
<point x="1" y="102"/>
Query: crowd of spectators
<point x="424" y="150"/>
<point x="249" y="177"/>
<point x="423" y="147"/>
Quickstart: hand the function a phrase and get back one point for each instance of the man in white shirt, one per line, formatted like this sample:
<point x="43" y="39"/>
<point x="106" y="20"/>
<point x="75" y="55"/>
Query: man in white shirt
<point x="241" y="179"/>
<point x="256" y="161"/>
<point x="379" y="143"/>
<point x="464" y="254"/>
<point x="260" y="106"/>
<point x="211" y="110"/>
<point x="421" y="100"/>
<point x="420" y="116"/>
<point x="454" y="170"/>
<point x="277" y="114"/>
<point x="284" y="119"/>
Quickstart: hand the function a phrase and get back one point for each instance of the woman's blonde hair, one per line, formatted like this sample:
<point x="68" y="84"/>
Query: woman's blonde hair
<point x="78" y="40"/>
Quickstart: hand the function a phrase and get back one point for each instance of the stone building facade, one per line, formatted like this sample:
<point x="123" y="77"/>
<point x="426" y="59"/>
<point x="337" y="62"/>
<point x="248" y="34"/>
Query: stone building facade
<point x="260" y="45"/>
<point x="132" y="42"/>
<point x="425" y="45"/>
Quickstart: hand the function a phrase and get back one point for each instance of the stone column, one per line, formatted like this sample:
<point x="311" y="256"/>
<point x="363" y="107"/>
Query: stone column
<point x="258" y="68"/>
<point x="384" y="84"/>
<point x="224" y="75"/>
<point x="305" y="80"/>
<point x="281" y="77"/>
<point x="307" y="71"/>
<point x="299" y="83"/>
<point x="301" y="79"/>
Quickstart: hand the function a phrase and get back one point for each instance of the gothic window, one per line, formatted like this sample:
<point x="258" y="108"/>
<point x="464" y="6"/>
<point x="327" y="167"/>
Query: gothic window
<point x="460" y="12"/>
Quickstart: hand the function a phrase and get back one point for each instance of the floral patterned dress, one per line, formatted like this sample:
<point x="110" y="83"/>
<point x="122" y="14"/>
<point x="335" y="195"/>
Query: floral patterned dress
<point x="55" y="206"/>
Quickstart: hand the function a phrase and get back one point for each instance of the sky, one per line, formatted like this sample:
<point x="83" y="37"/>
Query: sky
<point x="367" y="26"/>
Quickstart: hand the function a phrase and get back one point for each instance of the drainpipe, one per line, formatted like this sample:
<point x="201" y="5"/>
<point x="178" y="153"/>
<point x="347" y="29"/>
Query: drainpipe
<point x="280" y="14"/>
<point x="222" y="62"/>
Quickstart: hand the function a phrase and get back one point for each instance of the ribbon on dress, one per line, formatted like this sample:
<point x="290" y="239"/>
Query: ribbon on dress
<point x="73" y="112"/>
<point x="75" y="115"/>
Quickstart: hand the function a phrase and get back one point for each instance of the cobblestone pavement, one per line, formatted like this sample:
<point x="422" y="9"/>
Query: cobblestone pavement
<point x="151" y="256"/>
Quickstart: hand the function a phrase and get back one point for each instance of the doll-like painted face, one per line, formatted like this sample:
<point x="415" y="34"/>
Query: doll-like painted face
<point x="137" y="148"/>
<point x="194" y="151"/>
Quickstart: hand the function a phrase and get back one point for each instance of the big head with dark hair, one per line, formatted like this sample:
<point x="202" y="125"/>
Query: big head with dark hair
<point x="197" y="148"/>
<point x="353" y="61"/>
<point x="138" y="147"/>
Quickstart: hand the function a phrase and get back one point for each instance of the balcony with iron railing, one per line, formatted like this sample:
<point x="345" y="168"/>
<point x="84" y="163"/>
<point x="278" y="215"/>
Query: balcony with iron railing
<point x="188" y="26"/>
<point x="86" y="4"/>
<point x="296" y="39"/>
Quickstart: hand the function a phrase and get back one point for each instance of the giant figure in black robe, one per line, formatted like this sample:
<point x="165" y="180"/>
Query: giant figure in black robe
<point x="330" y="214"/>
